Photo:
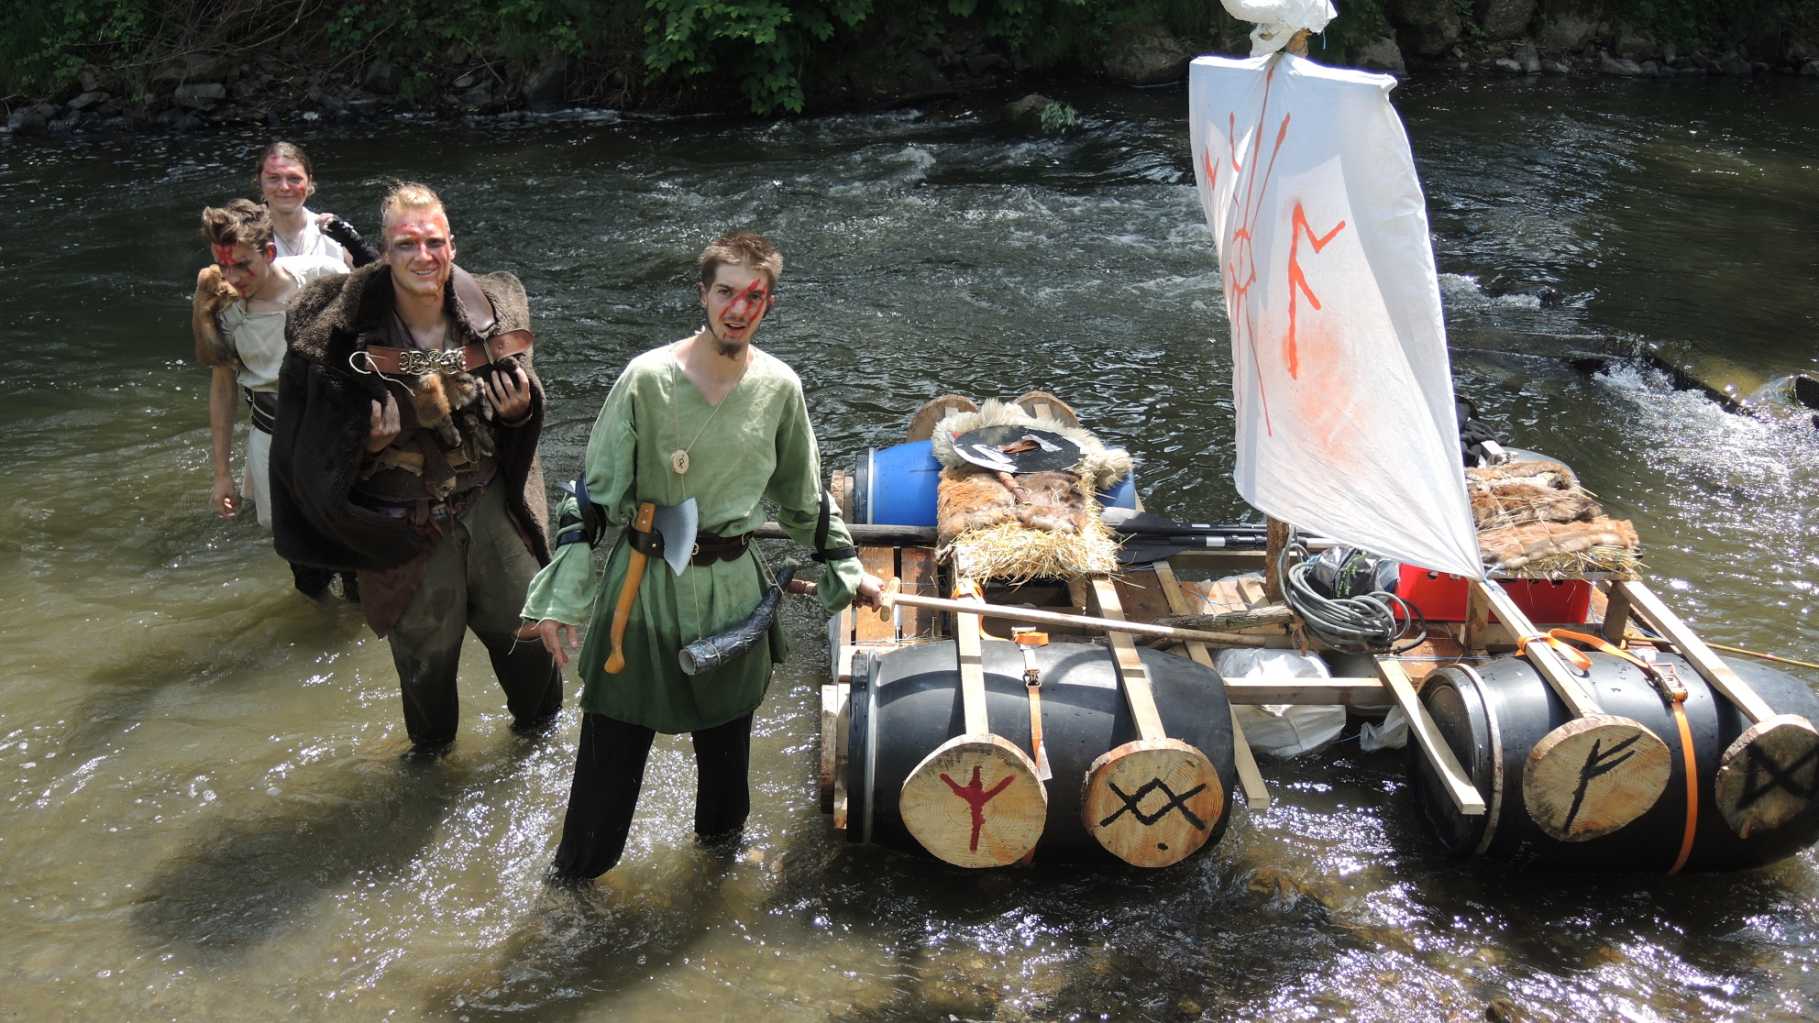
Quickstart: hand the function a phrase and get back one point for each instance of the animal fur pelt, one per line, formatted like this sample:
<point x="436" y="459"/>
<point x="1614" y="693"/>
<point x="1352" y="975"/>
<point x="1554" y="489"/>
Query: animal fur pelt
<point x="971" y="498"/>
<point x="996" y="526"/>
<point x="1531" y="491"/>
<point x="1099" y="465"/>
<point x="1563" y="550"/>
<point x="213" y="294"/>
<point x="325" y="413"/>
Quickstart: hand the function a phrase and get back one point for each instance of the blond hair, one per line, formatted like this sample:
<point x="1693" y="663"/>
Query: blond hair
<point x="741" y="248"/>
<point x="407" y="196"/>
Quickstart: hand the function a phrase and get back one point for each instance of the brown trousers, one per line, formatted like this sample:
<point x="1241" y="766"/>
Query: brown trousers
<point x="475" y="578"/>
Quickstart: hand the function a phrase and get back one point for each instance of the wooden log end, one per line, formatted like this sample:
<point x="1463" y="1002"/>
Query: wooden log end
<point x="1594" y="775"/>
<point x="975" y="802"/>
<point x="1769" y="776"/>
<point x="1152" y="802"/>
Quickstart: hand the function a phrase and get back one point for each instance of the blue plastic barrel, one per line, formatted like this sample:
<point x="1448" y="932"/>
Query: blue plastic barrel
<point x="896" y="486"/>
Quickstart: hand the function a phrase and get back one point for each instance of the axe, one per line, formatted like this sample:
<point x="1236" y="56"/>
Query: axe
<point x="669" y="533"/>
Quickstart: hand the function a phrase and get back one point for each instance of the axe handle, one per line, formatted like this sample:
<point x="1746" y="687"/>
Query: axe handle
<point x="634" y="575"/>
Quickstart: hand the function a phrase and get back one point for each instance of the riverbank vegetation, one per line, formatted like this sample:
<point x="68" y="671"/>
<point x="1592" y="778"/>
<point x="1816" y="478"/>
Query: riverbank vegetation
<point x="254" y="59"/>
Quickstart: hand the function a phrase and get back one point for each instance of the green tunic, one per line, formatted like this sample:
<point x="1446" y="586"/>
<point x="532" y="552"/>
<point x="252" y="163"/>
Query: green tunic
<point x="756" y="445"/>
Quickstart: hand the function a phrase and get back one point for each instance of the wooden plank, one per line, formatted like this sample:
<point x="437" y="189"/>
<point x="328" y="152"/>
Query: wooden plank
<point x="1275" y="540"/>
<point x="833" y="736"/>
<point x="1141" y="597"/>
<point x="921" y="575"/>
<point x="1542" y="656"/>
<point x="1256" y="793"/>
<point x="1477" y="618"/>
<point x="1130" y="664"/>
<point x="1616" y="613"/>
<point x="1452" y="775"/>
<point x="972" y="673"/>
<point x="867" y="626"/>
<point x="1349" y="692"/>
<point x="1717" y="674"/>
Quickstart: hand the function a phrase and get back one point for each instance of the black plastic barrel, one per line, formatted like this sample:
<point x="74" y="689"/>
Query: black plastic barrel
<point x="906" y="702"/>
<point x="1497" y="712"/>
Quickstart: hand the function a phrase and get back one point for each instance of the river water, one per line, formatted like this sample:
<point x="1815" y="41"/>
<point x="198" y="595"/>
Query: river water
<point x="203" y="814"/>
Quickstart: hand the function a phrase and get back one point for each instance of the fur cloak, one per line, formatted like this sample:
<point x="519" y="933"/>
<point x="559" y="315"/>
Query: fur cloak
<point x="325" y="412"/>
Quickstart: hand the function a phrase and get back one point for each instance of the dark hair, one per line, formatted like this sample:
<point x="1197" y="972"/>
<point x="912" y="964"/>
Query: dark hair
<point x="241" y="222"/>
<point x="283" y="151"/>
<point x="741" y="248"/>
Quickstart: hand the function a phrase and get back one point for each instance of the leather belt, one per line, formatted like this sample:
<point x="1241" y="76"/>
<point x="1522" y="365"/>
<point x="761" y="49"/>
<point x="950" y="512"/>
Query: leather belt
<point x="710" y="548"/>
<point x="423" y="511"/>
<point x="465" y="359"/>
<point x="707" y="550"/>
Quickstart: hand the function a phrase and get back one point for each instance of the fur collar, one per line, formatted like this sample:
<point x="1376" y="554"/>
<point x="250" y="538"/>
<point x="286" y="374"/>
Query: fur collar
<point x="331" y="312"/>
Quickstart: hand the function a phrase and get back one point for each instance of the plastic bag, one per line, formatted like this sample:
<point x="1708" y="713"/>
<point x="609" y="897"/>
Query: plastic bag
<point x="1281" y="730"/>
<point x="1278" y="20"/>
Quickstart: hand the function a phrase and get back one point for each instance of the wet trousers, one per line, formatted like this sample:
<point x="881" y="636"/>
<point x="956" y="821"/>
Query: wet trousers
<point x="609" y="773"/>
<point x="475" y="579"/>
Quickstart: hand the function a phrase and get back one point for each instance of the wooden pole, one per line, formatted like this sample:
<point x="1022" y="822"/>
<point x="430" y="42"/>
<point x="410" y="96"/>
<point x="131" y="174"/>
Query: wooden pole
<point x="1272" y="559"/>
<point x="1032" y="616"/>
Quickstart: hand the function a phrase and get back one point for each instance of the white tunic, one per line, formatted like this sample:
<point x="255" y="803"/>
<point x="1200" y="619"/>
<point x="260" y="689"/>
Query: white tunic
<point x="312" y="242"/>
<point x="258" y="337"/>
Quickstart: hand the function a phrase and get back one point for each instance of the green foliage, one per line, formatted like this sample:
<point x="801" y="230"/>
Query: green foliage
<point x="1058" y="118"/>
<point x="44" y="44"/>
<point x="769" y="50"/>
<point x="764" y="42"/>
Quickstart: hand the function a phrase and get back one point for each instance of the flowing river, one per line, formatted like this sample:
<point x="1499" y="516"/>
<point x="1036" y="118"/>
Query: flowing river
<point x="203" y="812"/>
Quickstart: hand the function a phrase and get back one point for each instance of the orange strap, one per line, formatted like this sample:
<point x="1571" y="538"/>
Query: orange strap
<point x="1692" y="785"/>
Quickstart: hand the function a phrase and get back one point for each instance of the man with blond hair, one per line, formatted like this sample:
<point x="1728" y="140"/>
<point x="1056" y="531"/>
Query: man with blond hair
<point x="407" y="450"/>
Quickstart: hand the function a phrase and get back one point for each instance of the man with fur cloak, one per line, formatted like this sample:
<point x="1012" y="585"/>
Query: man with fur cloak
<point x="406" y="449"/>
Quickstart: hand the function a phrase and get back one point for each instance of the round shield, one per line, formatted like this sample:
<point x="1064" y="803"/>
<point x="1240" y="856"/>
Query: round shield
<point x="1017" y="449"/>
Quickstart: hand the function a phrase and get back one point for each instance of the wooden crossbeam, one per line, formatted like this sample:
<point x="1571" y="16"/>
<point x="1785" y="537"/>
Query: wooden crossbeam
<point x="1452" y="775"/>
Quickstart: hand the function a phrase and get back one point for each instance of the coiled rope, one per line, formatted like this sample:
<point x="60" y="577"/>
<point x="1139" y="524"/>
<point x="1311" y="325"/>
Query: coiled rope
<point x="1366" y="623"/>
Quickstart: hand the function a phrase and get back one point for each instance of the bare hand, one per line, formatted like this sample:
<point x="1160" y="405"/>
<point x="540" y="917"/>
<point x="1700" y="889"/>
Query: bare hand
<point x="223" y="499"/>
<point x="323" y="220"/>
<point x="509" y="395"/>
<point x="870" y="592"/>
<point x="384" y="428"/>
<point x="559" y="638"/>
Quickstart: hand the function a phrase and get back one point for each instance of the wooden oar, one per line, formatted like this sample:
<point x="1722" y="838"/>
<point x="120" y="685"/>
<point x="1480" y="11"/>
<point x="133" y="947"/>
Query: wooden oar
<point x="892" y="596"/>
<point x="1758" y="786"/>
<point x="974" y="801"/>
<point x="1595" y="773"/>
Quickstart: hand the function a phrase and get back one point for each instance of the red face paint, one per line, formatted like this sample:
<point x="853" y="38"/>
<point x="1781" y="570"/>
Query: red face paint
<point x="224" y="254"/>
<point x="749" y="304"/>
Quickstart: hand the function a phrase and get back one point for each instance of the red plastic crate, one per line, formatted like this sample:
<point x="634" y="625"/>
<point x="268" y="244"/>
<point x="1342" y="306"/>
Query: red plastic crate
<point x="1442" y="598"/>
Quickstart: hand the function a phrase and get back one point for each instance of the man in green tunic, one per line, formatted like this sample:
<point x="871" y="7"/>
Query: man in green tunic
<point x="714" y="419"/>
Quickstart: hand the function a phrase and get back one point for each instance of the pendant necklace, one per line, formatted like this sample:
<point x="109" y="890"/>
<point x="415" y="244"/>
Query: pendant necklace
<point x="678" y="459"/>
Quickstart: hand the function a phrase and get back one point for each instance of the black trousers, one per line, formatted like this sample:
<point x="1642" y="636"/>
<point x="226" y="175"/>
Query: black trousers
<point x="609" y="773"/>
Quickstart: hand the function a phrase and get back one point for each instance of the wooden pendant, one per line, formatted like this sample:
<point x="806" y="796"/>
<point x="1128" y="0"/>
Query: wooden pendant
<point x="678" y="460"/>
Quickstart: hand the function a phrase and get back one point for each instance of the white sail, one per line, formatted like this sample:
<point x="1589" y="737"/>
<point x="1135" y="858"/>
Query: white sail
<point x="1343" y="388"/>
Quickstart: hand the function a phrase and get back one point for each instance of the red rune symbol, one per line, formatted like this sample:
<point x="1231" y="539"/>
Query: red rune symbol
<point x="1241" y="266"/>
<point x="976" y="796"/>
<point x="1297" y="281"/>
